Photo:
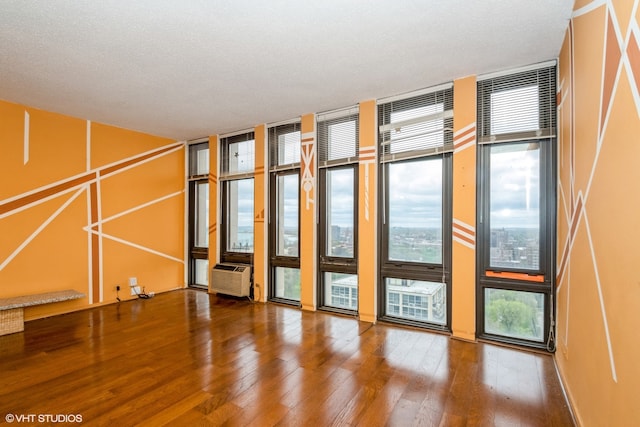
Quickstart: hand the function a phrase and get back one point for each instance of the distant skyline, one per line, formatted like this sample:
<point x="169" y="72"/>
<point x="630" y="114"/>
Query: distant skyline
<point x="415" y="192"/>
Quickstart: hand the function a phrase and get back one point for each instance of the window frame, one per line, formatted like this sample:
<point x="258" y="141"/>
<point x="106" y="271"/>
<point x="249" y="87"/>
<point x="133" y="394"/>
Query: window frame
<point x="277" y="170"/>
<point x="524" y="280"/>
<point x="226" y="178"/>
<point x="542" y="279"/>
<point x="397" y="269"/>
<point x="227" y="255"/>
<point x="276" y="260"/>
<point x="194" y="179"/>
<point x="334" y="264"/>
<point x="409" y="270"/>
<point x="343" y="156"/>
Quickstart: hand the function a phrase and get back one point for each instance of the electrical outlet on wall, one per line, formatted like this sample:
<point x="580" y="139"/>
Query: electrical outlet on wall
<point x="133" y="285"/>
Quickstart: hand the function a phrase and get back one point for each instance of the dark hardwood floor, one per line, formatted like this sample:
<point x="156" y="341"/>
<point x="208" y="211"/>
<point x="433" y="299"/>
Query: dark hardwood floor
<point x="186" y="358"/>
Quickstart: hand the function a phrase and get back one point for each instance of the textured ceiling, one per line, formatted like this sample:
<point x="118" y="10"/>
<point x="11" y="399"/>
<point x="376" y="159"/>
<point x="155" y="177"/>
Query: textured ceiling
<point x="187" y="69"/>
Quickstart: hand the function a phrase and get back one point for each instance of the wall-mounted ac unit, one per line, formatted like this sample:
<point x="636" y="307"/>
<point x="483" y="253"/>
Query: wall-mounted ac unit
<point x="230" y="279"/>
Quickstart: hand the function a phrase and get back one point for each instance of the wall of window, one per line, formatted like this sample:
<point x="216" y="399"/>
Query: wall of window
<point x="409" y="220"/>
<point x="415" y="152"/>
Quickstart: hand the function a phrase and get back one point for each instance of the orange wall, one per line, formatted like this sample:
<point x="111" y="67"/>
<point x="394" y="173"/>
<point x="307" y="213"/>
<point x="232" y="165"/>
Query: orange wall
<point x="598" y="295"/>
<point x="308" y="212"/>
<point x="214" y="213"/>
<point x="81" y="206"/>
<point x="463" y="286"/>
<point x="367" y="213"/>
<point x="260" y="251"/>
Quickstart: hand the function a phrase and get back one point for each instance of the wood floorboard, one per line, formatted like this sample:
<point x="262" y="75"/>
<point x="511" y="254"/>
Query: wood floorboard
<point x="187" y="358"/>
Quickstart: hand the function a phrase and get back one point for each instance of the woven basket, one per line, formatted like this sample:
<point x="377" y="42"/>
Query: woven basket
<point x="11" y="321"/>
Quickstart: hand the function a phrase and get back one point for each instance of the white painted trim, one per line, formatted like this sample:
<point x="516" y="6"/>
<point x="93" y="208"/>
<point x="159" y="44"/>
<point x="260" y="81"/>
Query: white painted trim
<point x="464" y="129"/>
<point x="89" y="246"/>
<point x="463" y="225"/>
<point x="134" y="165"/>
<point x="43" y="200"/>
<point x="464" y="233"/>
<point x="469" y="144"/>
<point x="100" y="245"/>
<point x="463" y="242"/>
<point x="588" y="8"/>
<point x="27" y="128"/>
<point x="137" y="208"/>
<point x="602" y="305"/>
<point x="134" y="245"/>
<point x="40" y="228"/>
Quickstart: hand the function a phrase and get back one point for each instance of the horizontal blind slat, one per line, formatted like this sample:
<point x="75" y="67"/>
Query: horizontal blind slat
<point x="284" y="145"/>
<point x="338" y="137"/>
<point x="523" y="103"/>
<point x="419" y="125"/>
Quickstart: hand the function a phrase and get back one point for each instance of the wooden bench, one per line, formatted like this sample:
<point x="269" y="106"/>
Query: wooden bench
<point x="12" y="309"/>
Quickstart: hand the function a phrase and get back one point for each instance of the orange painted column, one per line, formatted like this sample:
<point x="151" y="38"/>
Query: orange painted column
<point x="308" y="213"/>
<point x="464" y="210"/>
<point x="260" y="252"/>
<point x="367" y="231"/>
<point x="214" y="148"/>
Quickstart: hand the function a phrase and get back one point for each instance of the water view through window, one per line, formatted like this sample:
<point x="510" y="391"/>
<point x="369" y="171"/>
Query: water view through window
<point x="240" y="217"/>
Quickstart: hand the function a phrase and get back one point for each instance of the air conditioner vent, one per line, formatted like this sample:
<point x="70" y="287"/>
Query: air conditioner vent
<point x="230" y="279"/>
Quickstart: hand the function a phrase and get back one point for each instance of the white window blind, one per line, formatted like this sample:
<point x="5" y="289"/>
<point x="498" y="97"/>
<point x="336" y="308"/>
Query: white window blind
<point x="416" y="126"/>
<point x="284" y="145"/>
<point x="517" y="106"/>
<point x="338" y="137"/>
<point x="238" y="154"/>
<point x="198" y="159"/>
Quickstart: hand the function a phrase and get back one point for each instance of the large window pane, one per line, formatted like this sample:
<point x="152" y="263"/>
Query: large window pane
<point x="514" y="314"/>
<point x="515" y="206"/>
<point x="201" y="215"/>
<point x="415" y="211"/>
<point x="341" y="290"/>
<point x="287" y="215"/>
<point x="199" y="159"/>
<point x="240" y="156"/>
<point x="340" y="216"/>
<point x="287" y="283"/>
<point x="201" y="272"/>
<point x="240" y="216"/>
<point x="416" y="300"/>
